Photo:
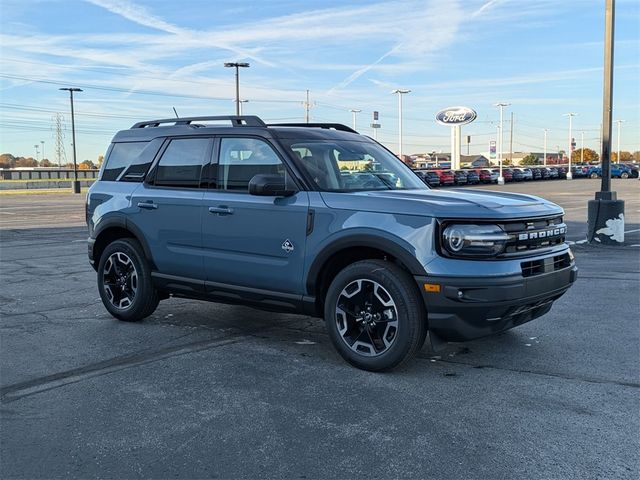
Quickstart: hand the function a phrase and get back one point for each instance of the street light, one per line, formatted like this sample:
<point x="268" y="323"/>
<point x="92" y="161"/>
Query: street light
<point x="501" y="105"/>
<point x="400" y="92"/>
<point x="42" y="143"/>
<point x="241" y="102"/>
<point x="36" y="146"/>
<point x="76" y="183"/>
<point x="237" y="66"/>
<point x="581" y="147"/>
<point x="355" y="112"/>
<point x="544" y="161"/>
<point x="570" y="115"/>
<point x="619" y="122"/>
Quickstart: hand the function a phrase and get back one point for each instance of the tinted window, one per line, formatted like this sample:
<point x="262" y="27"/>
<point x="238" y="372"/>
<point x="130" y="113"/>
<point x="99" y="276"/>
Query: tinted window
<point x="122" y="156"/>
<point x="140" y="164"/>
<point x="181" y="162"/>
<point x="242" y="158"/>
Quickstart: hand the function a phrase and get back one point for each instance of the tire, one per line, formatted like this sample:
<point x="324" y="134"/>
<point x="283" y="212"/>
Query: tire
<point x="594" y="175"/>
<point x="624" y="175"/>
<point x="394" y="325"/>
<point x="124" y="281"/>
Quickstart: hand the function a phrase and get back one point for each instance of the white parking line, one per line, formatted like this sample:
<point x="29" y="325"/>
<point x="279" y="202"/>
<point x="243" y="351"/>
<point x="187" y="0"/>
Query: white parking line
<point x="8" y="213"/>
<point x="632" y="231"/>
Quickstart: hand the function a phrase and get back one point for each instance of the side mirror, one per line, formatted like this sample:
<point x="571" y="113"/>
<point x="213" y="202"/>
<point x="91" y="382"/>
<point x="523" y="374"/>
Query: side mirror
<point x="269" y="185"/>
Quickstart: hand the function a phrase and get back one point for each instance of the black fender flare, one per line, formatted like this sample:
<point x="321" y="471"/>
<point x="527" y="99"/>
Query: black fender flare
<point x="394" y="248"/>
<point x="121" y="221"/>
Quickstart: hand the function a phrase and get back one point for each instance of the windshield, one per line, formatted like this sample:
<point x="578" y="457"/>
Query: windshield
<point x="345" y="166"/>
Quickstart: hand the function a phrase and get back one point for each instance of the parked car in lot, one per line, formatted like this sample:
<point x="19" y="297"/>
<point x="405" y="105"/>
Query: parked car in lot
<point x="633" y="169"/>
<point x="617" y="171"/>
<point x="536" y="173"/>
<point x="507" y="174"/>
<point x="562" y="172"/>
<point x="577" y="172"/>
<point x="460" y="177"/>
<point x="527" y="173"/>
<point x="262" y="215"/>
<point x="446" y="177"/>
<point x="430" y="178"/>
<point x="473" y="178"/>
<point x="487" y="176"/>
<point x="553" y="172"/>
<point x="518" y="176"/>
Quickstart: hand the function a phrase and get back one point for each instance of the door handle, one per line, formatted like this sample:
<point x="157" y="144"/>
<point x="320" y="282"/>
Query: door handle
<point x="221" y="210"/>
<point x="148" y="205"/>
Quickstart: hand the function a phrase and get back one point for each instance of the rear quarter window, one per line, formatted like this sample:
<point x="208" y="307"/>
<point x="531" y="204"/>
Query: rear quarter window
<point x="130" y="161"/>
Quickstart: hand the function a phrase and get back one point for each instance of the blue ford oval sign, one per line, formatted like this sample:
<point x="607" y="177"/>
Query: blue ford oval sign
<point x="456" y="116"/>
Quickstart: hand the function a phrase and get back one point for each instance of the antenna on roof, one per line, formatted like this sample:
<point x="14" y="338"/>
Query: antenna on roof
<point x="174" y="111"/>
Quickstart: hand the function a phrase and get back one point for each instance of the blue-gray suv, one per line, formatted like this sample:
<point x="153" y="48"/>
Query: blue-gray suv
<point x="319" y="220"/>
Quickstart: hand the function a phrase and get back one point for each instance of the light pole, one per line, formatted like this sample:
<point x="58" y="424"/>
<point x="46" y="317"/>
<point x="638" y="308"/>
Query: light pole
<point x="581" y="147"/>
<point x="237" y="66"/>
<point x="241" y="102"/>
<point x="36" y="146"/>
<point x="400" y="92"/>
<point x="355" y="112"/>
<point x="42" y="143"/>
<point x="570" y="115"/>
<point x="501" y="105"/>
<point x="76" y="183"/>
<point x="544" y="161"/>
<point x="619" y="122"/>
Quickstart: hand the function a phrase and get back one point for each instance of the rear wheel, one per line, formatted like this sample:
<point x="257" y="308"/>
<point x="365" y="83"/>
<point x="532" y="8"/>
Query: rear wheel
<point x="124" y="281"/>
<point x="624" y="175"/>
<point x="594" y="175"/>
<point x="374" y="315"/>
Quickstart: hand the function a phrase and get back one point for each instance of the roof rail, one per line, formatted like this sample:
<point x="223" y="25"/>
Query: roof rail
<point x="236" y="121"/>
<point x="333" y="126"/>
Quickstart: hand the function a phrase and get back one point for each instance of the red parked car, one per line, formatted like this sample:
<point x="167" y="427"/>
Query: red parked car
<point x="485" y="176"/>
<point x="446" y="177"/>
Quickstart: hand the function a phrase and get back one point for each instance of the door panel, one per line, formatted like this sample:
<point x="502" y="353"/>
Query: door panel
<point x="248" y="240"/>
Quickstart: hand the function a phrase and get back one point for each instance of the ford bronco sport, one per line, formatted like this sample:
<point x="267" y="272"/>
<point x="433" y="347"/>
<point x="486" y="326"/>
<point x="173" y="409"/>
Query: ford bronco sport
<point x="317" y="219"/>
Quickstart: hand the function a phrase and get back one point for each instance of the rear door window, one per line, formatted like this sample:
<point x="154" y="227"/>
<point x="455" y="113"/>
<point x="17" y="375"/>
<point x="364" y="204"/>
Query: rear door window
<point x="182" y="161"/>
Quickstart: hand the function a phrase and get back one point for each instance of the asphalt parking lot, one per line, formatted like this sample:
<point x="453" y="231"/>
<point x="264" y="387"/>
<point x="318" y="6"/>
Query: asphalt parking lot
<point x="202" y="390"/>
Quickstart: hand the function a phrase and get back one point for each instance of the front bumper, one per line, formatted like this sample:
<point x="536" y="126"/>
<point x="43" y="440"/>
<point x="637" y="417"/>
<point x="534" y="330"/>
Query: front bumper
<point x="465" y="308"/>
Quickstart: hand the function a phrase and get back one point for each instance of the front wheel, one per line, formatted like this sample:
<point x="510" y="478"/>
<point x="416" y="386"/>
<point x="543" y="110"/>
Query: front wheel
<point x="624" y="175"/>
<point x="374" y="315"/>
<point x="594" y="175"/>
<point x="124" y="281"/>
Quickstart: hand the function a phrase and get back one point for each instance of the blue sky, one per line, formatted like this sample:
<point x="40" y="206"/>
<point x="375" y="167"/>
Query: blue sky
<point x="137" y="59"/>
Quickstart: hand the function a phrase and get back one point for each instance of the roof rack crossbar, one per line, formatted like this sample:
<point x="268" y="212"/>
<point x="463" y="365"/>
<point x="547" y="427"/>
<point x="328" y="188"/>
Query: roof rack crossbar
<point x="332" y="126"/>
<point x="236" y="121"/>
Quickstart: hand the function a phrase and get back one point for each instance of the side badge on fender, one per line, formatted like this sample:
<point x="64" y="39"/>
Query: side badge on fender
<point x="287" y="246"/>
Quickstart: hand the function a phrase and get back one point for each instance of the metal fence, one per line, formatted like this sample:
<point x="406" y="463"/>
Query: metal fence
<point x="46" y="174"/>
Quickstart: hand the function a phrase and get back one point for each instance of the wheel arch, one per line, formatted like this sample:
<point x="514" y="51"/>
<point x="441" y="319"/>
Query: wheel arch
<point x="116" y="228"/>
<point x="346" y="250"/>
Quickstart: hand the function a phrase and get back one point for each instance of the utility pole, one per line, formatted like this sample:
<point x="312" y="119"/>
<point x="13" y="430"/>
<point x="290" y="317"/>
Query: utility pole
<point x="511" y="142"/>
<point x="237" y="66"/>
<point x="619" y="122"/>
<point x="400" y="92"/>
<point x="354" y="112"/>
<point x="570" y="115"/>
<point x="307" y="106"/>
<point x="76" y="183"/>
<point x="606" y="213"/>
<point x="544" y="160"/>
<point x="581" y="147"/>
<point x="501" y="105"/>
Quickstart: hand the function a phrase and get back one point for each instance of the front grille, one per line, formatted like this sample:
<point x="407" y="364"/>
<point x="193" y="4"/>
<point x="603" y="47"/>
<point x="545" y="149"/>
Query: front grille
<point x="534" y="234"/>
<point x="545" y="265"/>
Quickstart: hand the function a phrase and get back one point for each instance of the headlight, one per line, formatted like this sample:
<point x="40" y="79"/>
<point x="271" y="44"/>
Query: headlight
<point x="474" y="240"/>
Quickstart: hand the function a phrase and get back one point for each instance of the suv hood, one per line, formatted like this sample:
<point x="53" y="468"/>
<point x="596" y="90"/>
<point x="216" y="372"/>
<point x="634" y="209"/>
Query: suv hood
<point x="453" y="203"/>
